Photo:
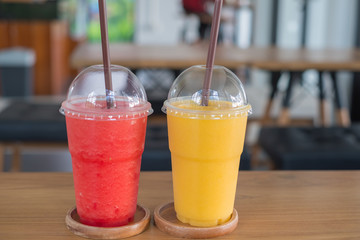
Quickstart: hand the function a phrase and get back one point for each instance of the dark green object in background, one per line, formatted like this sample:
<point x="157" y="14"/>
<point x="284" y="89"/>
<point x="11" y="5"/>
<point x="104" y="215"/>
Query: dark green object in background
<point x="24" y="11"/>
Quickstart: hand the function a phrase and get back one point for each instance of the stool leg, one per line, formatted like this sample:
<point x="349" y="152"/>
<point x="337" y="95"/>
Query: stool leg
<point x="16" y="158"/>
<point x="275" y="77"/>
<point x="283" y="119"/>
<point x="324" y="121"/>
<point x="342" y="113"/>
<point x="355" y="97"/>
<point x="2" y="157"/>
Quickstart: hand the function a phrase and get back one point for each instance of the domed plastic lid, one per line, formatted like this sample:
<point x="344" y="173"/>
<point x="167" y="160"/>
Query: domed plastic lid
<point x="226" y="92"/>
<point x="87" y="95"/>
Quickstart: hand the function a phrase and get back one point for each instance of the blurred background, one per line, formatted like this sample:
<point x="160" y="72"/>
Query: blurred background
<point x="305" y="99"/>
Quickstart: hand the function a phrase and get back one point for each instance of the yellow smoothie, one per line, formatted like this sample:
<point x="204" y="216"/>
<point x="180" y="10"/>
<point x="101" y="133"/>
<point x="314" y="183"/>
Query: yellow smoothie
<point x="205" y="150"/>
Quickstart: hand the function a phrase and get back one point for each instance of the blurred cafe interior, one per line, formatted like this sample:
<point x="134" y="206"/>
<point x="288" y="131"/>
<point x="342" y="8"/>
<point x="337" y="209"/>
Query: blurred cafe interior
<point x="299" y="62"/>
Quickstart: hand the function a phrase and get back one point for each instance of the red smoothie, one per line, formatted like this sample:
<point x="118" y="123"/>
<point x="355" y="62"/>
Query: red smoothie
<point x="106" y="159"/>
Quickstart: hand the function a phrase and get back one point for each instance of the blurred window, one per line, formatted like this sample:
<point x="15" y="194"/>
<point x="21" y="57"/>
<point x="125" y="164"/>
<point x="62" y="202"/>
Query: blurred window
<point x="84" y="19"/>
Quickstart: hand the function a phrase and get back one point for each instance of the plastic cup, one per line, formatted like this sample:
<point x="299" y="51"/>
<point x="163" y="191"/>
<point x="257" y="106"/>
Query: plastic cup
<point x="206" y="143"/>
<point x="106" y="144"/>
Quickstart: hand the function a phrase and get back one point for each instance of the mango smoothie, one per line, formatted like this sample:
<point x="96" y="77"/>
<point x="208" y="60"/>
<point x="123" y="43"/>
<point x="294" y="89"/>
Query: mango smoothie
<point x="205" y="143"/>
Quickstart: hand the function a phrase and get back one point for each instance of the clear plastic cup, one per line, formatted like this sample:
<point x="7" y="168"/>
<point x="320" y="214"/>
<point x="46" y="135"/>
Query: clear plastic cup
<point x="106" y="145"/>
<point x="206" y="143"/>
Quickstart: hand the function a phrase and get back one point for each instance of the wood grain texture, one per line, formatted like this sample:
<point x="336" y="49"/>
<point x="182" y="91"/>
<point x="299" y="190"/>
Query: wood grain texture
<point x="137" y="56"/>
<point x="173" y="57"/>
<point x="41" y="45"/>
<point x="59" y="57"/>
<point x="141" y="223"/>
<point x="183" y="56"/>
<point x="165" y="219"/>
<point x="2" y="156"/>
<point x="301" y="59"/>
<point x="271" y="205"/>
<point x="50" y="42"/>
<point x="4" y="30"/>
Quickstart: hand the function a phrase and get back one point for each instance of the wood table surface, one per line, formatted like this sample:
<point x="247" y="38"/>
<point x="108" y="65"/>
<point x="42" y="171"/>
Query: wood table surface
<point x="182" y="56"/>
<point x="271" y="204"/>
<point x="151" y="56"/>
<point x="300" y="59"/>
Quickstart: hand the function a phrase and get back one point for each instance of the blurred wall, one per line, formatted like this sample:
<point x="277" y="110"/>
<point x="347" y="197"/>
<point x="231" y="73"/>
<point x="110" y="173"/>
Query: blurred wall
<point x="158" y="22"/>
<point x="331" y="24"/>
<point x="262" y="22"/>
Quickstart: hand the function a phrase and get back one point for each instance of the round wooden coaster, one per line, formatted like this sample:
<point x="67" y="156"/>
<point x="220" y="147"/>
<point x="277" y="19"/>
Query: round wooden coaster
<point x="166" y="221"/>
<point x="140" y="223"/>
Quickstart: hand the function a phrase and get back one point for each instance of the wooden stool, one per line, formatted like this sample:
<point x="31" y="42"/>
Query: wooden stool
<point x="15" y="161"/>
<point x="342" y="113"/>
<point x="16" y="149"/>
<point x="25" y="123"/>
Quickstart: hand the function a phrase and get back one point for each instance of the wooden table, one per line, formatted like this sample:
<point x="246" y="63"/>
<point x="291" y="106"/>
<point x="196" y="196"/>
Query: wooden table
<point x="183" y="56"/>
<point x="171" y="57"/>
<point x="301" y="59"/>
<point x="271" y="205"/>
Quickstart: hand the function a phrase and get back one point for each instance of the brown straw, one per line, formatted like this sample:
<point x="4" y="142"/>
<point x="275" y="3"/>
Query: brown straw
<point x="106" y="54"/>
<point x="211" y="52"/>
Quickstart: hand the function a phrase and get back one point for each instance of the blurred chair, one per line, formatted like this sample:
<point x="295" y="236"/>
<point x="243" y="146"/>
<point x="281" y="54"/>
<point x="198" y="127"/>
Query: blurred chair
<point x="342" y="112"/>
<point x="311" y="148"/>
<point x="26" y="123"/>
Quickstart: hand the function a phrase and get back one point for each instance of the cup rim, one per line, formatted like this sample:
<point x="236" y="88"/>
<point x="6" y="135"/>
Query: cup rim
<point x="243" y="110"/>
<point x="68" y="109"/>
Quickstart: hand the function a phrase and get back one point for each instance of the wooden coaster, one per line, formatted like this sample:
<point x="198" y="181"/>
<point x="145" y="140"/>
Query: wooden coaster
<point x="140" y="223"/>
<point x="166" y="221"/>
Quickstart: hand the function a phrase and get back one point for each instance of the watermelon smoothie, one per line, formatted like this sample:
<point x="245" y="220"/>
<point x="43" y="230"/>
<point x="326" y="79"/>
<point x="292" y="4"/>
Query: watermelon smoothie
<point x="106" y="160"/>
<point x="106" y="143"/>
